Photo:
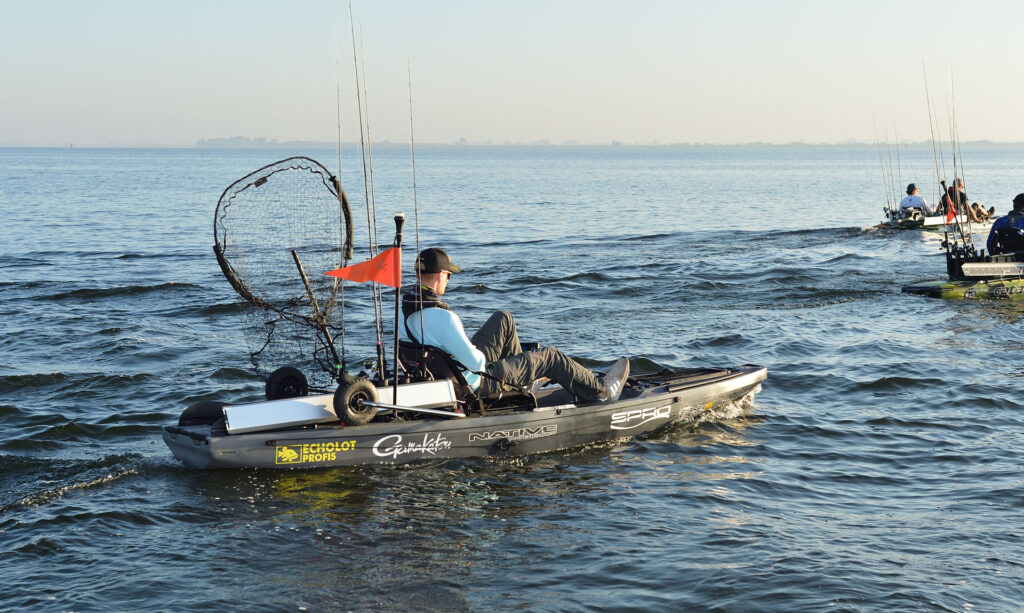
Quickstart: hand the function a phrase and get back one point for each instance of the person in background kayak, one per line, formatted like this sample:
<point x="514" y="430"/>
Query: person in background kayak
<point x="1007" y="233"/>
<point x="913" y="201"/>
<point x="957" y="197"/>
<point x="495" y="348"/>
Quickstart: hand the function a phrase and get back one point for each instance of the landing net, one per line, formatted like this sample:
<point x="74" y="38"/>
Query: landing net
<point x="294" y="204"/>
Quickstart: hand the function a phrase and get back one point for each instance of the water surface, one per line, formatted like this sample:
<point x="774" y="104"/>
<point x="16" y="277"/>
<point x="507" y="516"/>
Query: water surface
<point x="879" y="468"/>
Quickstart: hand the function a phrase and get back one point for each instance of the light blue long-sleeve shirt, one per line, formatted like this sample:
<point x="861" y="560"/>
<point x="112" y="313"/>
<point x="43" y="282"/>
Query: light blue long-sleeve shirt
<point x="444" y="330"/>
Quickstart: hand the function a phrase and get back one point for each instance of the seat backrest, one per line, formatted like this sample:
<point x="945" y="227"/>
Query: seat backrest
<point x="430" y="363"/>
<point x="911" y="213"/>
<point x="1007" y="240"/>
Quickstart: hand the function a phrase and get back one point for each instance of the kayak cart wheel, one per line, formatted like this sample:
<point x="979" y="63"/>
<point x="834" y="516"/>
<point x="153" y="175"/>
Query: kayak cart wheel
<point x="348" y="402"/>
<point x="202" y="413"/>
<point x="286" y="382"/>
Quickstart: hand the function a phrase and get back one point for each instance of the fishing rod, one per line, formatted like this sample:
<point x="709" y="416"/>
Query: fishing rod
<point x="939" y="159"/>
<point x="899" y="167"/>
<point x="337" y="88"/>
<point x="910" y="162"/>
<point x="369" y="154"/>
<point x="366" y="189"/>
<point x="962" y="218"/>
<point x="942" y="155"/>
<point x="369" y="138"/>
<point x="939" y="162"/>
<point x="338" y="188"/>
<point x="894" y="180"/>
<point x="885" y="182"/>
<point x="412" y="151"/>
<point x="888" y="161"/>
<point x="931" y="127"/>
<point x="940" y="168"/>
<point x="415" y="199"/>
<point x="963" y="173"/>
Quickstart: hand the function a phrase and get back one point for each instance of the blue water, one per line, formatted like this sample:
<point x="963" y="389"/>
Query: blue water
<point x="878" y="470"/>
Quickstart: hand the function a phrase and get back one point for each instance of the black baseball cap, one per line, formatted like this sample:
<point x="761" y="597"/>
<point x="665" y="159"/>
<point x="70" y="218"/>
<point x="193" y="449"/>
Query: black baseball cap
<point x="434" y="260"/>
<point x="1018" y="202"/>
<point x="911" y="188"/>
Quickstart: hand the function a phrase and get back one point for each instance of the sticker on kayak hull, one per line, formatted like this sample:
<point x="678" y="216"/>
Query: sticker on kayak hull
<point x="634" y="418"/>
<point x="393" y="445"/>
<point x="516" y="434"/>
<point x="305" y="453"/>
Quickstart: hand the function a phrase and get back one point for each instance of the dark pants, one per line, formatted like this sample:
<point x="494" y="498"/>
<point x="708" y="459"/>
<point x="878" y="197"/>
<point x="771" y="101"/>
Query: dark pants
<point x="506" y="361"/>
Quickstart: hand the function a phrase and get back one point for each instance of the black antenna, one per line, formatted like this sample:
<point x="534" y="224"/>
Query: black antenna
<point x="399" y="221"/>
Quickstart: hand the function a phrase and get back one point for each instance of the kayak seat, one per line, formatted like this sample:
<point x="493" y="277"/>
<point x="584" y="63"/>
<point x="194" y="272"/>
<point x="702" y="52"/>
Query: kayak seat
<point x="911" y="214"/>
<point x="429" y="363"/>
<point x="1007" y="240"/>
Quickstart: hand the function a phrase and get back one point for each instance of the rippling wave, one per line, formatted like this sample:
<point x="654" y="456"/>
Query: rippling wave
<point x="114" y="292"/>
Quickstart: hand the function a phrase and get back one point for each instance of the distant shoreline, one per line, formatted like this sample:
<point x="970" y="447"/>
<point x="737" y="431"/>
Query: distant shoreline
<point x="245" y="143"/>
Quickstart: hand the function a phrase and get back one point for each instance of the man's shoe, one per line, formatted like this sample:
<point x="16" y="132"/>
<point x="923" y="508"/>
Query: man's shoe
<point x="615" y="379"/>
<point x="539" y="383"/>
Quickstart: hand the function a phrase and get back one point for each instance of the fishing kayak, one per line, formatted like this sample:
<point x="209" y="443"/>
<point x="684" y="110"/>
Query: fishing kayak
<point x="293" y="216"/>
<point x="982" y="278"/>
<point x="969" y="288"/>
<point x="305" y="432"/>
<point x="937" y="223"/>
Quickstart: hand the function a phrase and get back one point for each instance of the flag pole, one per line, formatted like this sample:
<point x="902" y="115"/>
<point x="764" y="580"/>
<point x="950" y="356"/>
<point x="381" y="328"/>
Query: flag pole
<point x="399" y="220"/>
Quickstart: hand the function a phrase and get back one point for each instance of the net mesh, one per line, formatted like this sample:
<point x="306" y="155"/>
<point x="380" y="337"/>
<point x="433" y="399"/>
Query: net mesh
<point x="294" y="204"/>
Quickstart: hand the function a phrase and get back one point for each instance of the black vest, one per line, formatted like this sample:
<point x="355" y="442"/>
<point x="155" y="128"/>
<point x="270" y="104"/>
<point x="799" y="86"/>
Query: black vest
<point x="421" y="298"/>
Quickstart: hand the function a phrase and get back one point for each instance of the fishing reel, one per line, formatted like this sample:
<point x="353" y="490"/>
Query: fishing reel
<point x="959" y="250"/>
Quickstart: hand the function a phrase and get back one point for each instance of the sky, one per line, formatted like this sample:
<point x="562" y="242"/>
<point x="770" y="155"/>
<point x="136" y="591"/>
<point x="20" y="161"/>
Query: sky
<point x="170" y="73"/>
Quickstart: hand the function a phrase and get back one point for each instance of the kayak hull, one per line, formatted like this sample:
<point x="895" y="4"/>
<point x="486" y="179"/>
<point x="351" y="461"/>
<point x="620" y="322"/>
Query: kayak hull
<point x="512" y="434"/>
<point x="938" y="224"/>
<point x="969" y="288"/>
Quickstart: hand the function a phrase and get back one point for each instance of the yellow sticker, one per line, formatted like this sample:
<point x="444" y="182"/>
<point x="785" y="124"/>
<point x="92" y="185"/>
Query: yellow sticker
<point x="312" y="452"/>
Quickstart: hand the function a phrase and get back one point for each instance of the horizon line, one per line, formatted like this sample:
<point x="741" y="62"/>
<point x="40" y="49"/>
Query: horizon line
<point x="263" y="143"/>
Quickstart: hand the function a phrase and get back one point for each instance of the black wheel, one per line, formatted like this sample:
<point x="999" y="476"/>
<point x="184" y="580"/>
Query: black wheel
<point x="348" y="402"/>
<point x="202" y="413"/>
<point x="286" y="382"/>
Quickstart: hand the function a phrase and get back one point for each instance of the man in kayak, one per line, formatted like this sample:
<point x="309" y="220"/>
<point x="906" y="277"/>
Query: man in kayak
<point x="957" y="197"/>
<point x="1007" y="233"/>
<point x="494" y="350"/>
<point x="913" y="201"/>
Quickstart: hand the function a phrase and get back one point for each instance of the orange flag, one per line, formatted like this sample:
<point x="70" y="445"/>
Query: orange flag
<point x="385" y="267"/>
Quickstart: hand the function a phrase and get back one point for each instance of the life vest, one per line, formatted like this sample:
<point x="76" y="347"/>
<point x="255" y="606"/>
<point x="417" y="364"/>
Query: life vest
<point x="954" y="195"/>
<point x="421" y="298"/>
<point x="1006" y="235"/>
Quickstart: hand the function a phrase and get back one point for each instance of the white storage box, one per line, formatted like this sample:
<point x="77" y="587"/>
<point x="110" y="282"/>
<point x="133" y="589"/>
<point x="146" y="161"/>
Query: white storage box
<point x="993" y="269"/>
<point x="427" y="394"/>
<point x="293" y="412"/>
<point x="273" y="414"/>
